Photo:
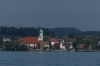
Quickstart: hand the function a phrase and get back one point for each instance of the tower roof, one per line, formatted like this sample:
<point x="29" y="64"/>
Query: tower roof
<point x="41" y="31"/>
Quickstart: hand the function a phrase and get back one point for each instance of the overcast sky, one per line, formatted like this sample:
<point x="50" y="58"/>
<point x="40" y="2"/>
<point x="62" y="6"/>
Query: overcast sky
<point x="81" y="14"/>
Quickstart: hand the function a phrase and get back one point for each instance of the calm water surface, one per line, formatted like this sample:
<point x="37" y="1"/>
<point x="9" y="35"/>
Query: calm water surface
<point x="49" y="58"/>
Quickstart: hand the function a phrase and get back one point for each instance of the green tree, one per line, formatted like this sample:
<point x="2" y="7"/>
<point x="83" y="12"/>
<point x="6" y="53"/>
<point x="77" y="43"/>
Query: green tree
<point x="24" y="48"/>
<point x="71" y="36"/>
<point x="13" y="46"/>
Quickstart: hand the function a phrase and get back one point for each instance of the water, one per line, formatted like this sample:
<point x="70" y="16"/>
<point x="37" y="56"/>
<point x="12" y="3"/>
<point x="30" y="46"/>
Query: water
<point x="49" y="58"/>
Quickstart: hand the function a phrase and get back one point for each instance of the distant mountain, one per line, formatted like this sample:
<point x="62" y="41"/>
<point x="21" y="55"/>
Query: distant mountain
<point x="66" y="31"/>
<point x="71" y="30"/>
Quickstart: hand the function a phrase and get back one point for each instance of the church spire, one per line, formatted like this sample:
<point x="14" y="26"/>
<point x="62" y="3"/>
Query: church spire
<point x="40" y="35"/>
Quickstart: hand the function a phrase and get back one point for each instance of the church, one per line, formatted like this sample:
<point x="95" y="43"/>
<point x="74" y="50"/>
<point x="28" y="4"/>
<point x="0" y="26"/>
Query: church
<point x="33" y="42"/>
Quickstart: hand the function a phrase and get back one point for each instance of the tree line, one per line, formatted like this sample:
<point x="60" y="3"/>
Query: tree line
<point x="24" y="31"/>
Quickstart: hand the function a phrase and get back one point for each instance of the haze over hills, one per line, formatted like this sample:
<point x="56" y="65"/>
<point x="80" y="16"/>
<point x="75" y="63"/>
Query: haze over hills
<point x="71" y="30"/>
<point x="66" y="31"/>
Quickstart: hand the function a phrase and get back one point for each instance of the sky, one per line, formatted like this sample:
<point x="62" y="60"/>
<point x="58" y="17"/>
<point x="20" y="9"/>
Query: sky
<point x="81" y="14"/>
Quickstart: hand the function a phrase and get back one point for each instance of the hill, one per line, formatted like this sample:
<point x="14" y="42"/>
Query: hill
<point x="71" y="30"/>
<point x="66" y="31"/>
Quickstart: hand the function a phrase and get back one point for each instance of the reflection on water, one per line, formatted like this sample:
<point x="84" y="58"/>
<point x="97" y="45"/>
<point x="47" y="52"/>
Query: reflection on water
<point x="49" y="59"/>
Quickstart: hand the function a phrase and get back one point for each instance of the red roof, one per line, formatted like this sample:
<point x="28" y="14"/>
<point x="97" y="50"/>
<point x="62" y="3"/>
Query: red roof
<point x="53" y="40"/>
<point x="85" y="39"/>
<point x="46" y="42"/>
<point x="31" y="40"/>
<point x="57" y="44"/>
<point x="82" y="45"/>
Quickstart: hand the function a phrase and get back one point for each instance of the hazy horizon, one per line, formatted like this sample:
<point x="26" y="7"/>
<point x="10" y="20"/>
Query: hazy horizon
<point x="81" y="14"/>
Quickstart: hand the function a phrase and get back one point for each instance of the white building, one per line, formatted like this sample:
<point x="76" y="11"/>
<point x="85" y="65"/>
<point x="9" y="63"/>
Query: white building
<point x="41" y="35"/>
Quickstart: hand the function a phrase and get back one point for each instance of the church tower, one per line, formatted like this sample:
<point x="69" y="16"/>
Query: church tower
<point x="40" y="35"/>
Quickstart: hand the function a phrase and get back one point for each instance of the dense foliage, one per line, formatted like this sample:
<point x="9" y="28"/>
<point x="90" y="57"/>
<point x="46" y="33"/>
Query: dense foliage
<point x="24" y="31"/>
<point x="13" y="46"/>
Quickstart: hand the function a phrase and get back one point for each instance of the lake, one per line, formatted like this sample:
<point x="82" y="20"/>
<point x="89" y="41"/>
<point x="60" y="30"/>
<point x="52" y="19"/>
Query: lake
<point x="49" y="58"/>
